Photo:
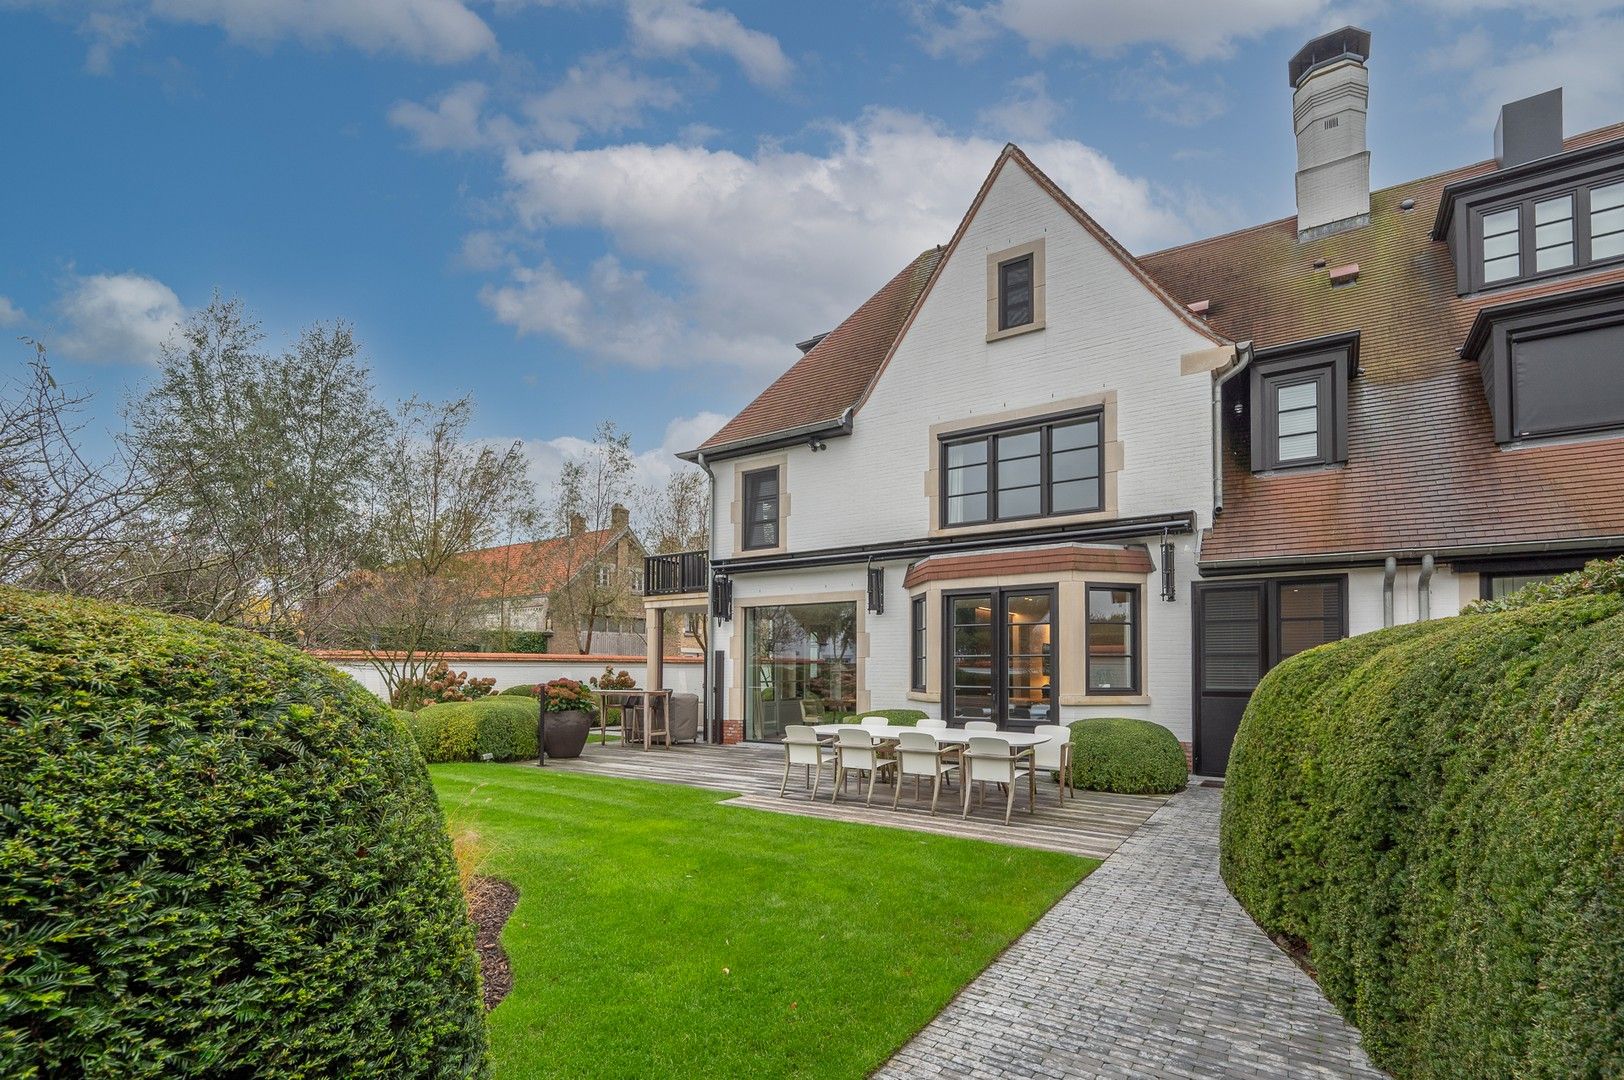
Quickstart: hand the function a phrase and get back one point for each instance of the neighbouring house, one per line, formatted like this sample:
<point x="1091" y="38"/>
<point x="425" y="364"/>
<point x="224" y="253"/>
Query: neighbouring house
<point x="1038" y="478"/>
<point x="584" y="588"/>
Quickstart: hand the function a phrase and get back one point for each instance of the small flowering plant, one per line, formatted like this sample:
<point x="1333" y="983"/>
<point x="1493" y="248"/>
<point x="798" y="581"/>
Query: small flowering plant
<point x="567" y="695"/>
<point x="610" y="680"/>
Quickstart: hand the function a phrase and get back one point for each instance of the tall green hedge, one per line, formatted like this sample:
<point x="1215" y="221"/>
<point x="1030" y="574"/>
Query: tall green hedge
<point x="1128" y="756"/>
<point x="1437" y="812"/>
<point x="220" y="858"/>
<point x="503" y="727"/>
<point x="895" y="717"/>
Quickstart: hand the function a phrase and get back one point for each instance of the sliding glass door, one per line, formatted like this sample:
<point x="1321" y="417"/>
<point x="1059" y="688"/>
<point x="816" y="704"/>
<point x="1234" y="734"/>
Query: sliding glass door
<point x="800" y="666"/>
<point x="1000" y="657"/>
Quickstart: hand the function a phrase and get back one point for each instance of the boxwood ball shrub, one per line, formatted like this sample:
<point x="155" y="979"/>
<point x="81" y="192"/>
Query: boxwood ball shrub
<point x="502" y="726"/>
<point x="1436" y="813"/>
<point x="221" y="858"/>
<point x="1127" y="756"/>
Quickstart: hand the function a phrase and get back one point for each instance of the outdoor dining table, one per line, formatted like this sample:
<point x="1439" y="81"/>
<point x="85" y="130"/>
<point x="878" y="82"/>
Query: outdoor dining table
<point x="645" y="701"/>
<point x="1022" y="744"/>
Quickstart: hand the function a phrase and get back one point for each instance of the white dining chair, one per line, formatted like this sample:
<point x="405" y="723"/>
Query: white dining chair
<point x="990" y="760"/>
<point x="980" y="725"/>
<point x="1055" y="755"/>
<point x="931" y="725"/>
<point x="802" y="746"/>
<point x="875" y="722"/>
<point x="856" y="750"/>
<point x="919" y="755"/>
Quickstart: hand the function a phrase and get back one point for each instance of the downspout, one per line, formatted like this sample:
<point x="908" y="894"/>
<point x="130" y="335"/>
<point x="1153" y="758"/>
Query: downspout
<point x="1389" y="572"/>
<point x="708" y="676"/>
<point x="1423" y="589"/>
<point x="1243" y="354"/>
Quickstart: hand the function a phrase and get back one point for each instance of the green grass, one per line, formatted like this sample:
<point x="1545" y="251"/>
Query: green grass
<point x="660" y="933"/>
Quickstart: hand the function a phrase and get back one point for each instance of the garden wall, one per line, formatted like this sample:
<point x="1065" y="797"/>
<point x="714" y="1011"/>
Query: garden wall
<point x="1435" y="814"/>
<point x="683" y="674"/>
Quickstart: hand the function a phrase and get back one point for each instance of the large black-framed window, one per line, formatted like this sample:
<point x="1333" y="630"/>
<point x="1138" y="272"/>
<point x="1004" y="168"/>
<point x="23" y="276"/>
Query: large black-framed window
<point x="998" y="656"/>
<point x="1307" y="612"/>
<point x="916" y="644"/>
<point x="761" y="509"/>
<point x="1015" y="306"/>
<point x="1545" y="233"/>
<point x="1031" y="469"/>
<point x="1112" y="652"/>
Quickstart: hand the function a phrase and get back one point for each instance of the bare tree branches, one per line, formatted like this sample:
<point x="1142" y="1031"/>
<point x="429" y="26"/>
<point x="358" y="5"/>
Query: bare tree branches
<point x="61" y="515"/>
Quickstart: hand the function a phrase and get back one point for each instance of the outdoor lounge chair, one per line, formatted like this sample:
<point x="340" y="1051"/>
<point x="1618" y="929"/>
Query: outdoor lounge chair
<point x="1055" y="755"/>
<point x="989" y="760"/>
<point x="856" y="750"/>
<point x="802" y="746"/>
<point x="919" y="755"/>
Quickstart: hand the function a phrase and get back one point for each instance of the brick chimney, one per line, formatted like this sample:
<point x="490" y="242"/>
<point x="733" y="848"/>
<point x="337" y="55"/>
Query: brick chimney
<point x="577" y="524"/>
<point x="1330" y="93"/>
<point x="619" y="517"/>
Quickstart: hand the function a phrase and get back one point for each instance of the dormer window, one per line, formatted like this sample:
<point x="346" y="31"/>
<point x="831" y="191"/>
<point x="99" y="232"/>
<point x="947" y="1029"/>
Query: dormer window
<point x="1300" y="403"/>
<point x="1607" y="221"/>
<point x="1502" y="246"/>
<point x="1015" y="289"/>
<point x="1553" y="234"/>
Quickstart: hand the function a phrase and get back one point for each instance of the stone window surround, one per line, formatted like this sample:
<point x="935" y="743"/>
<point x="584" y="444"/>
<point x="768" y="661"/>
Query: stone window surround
<point x="750" y="465"/>
<point x="741" y="613"/>
<point x="1033" y="248"/>
<point x="1111" y="457"/>
<point x="1072" y="587"/>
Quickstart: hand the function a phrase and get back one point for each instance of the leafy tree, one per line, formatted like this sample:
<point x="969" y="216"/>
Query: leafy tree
<point x="590" y="487"/>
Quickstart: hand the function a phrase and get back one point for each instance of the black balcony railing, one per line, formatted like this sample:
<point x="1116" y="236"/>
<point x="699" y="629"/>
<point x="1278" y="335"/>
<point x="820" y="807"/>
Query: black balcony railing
<point x="670" y="575"/>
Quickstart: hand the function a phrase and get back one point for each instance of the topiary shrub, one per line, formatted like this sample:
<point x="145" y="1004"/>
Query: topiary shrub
<point x="1435" y="813"/>
<point x="522" y="690"/>
<point x="503" y="727"/>
<point x="222" y="858"/>
<point x="1127" y="756"/>
<point x="896" y="717"/>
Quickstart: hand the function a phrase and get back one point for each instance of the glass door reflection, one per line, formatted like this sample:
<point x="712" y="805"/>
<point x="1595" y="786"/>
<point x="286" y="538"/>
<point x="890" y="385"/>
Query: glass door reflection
<point x="1000" y="657"/>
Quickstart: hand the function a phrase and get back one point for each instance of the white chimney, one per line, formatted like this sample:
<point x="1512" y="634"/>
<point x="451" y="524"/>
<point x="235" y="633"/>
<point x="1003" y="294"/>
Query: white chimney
<point x="1329" y="98"/>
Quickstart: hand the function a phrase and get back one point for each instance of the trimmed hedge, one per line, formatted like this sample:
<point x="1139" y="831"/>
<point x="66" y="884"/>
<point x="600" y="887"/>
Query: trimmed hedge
<point x="1127" y="756"/>
<point x="896" y="717"/>
<point x="221" y="858"/>
<point x="1436" y="812"/>
<point x="503" y="727"/>
<point x="522" y="690"/>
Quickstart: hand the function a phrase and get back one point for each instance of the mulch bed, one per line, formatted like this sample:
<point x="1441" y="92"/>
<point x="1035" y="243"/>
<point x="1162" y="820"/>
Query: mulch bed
<point x="490" y="902"/>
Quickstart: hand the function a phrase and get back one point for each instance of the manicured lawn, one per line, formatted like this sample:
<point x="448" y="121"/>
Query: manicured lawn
<point x="660" y="933"/>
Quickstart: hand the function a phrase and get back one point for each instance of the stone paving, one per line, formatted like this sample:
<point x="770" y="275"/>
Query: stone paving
<point x="1149" y="968"/>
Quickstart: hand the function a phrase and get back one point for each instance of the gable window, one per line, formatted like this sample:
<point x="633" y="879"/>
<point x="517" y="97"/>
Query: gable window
<point x="605" y="576"/>
<point x="1015" y="290"/>
<point x="1299" y="404"/>
<point x="761" y="509"/>
<point x="1029" y="470"/>
<point x="916" y="638"/>
<point x="1015" y="293"/>
<point x="1113" y="639"/>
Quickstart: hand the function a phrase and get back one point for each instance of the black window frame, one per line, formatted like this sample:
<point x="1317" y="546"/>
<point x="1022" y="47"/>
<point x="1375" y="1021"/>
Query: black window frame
<point x="750" y="497"/>
<point x="917" y="642"/>
<point x="1527" y="236"/>
<point x="1044" y="426"/>
<point x="1004" y="292"/>
<point x="1330" y="363"/>
<point x="998" y="674"/>
<point x="1276" y="653"/>
<point x="1137" y="668"/>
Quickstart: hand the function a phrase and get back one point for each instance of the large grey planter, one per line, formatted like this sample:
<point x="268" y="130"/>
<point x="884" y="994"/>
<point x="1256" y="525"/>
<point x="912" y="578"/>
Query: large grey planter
<point x="567" y="732"/>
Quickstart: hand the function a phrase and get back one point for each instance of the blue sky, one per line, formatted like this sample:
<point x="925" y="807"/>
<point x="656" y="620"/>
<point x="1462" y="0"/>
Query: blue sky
<point x="634" y="208"/>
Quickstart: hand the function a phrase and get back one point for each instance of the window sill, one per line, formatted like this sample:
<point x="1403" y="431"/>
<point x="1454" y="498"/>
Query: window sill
<point x="1104" y="699"/>
<point x="1301" y="470"/>
<point x="1015" y="331"/>
<point x="923" y="695"/>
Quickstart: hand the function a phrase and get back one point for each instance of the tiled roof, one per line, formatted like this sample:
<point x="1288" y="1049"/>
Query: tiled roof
<point x="538" y="567"/>
<point x="1423" y="470"/>
<point x="828" y="380"/>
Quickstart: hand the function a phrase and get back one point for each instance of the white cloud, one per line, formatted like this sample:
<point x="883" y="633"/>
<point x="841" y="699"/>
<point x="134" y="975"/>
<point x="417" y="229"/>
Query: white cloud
<point x="676" y="27"/>
<point x="1581" y="56"/>
<point x="439" y="31"/>
<point x="117" y="317"/>
<point x="1194" y="28"/>
<point x="453" y="122"/>
<point x="10" y="313"/>
<point x="599" y="95"/>
<point x="716" y="257"/>
<point x="651" y="468"/>
<point x="1183" y="104"/>
<point x="1027" y="112"/>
